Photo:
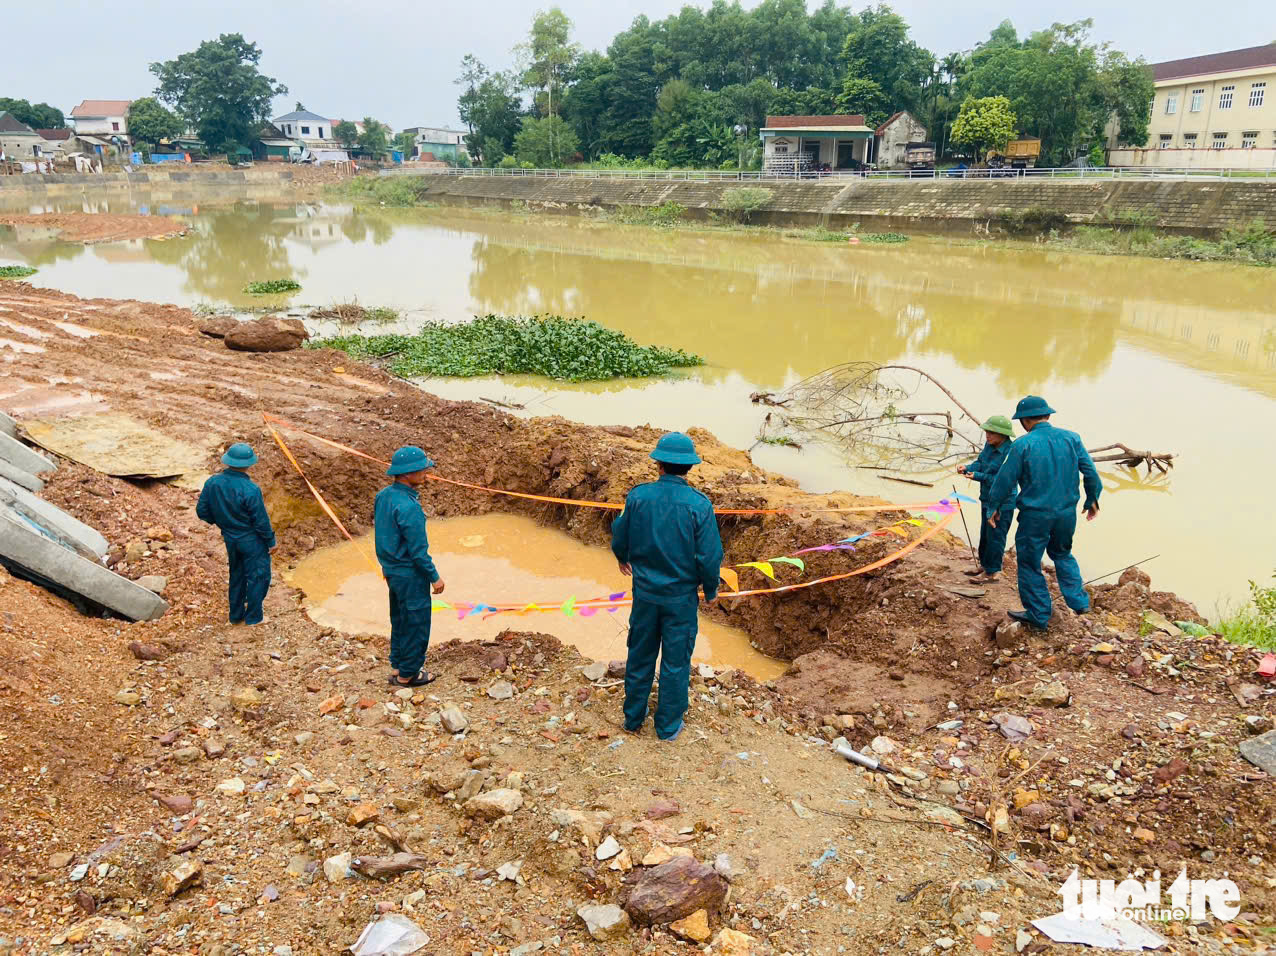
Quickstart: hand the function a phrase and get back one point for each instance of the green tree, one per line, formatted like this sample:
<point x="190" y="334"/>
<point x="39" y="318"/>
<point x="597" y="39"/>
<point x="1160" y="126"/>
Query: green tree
<point x="544" y="141"/>
<point x="346" y="133"/>
<point x="149" y="122"/>
<point x="218" y="89"/>
<point x="984" y="124"/>
<point x="37" y="116"/>
<point x="490" y="107"/>
<point x="299" y="108"/>
<point x="883" y="70"/>
<point x="405" y="142"/>
<point x="1126" y="89"/>
<point x="375" y="137"/>
<point x="550" y="56"/>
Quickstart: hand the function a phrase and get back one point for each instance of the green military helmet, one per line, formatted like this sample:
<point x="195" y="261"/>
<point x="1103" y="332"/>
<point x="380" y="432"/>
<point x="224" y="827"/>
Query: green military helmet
<point x="675" y="448"/>
<point x="240" y="455"/>
<point x="999" y="424"/>
<point x="1032" y="406"/>
<point x="408" y="459"/>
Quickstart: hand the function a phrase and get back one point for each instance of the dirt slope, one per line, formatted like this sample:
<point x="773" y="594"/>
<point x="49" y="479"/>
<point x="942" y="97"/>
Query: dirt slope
<point x="1138" y="768"/>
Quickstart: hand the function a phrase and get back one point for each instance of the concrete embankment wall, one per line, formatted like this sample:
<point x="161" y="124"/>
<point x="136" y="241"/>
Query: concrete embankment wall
<point x="157" y="182"/>
<point x="941" y="205"/>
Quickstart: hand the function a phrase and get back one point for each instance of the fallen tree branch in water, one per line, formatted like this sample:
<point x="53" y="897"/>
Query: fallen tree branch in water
<point x="1129" y="456"/>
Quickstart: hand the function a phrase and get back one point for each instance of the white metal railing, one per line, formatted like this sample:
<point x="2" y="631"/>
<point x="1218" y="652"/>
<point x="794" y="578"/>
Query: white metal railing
<point x="722" y="175"/>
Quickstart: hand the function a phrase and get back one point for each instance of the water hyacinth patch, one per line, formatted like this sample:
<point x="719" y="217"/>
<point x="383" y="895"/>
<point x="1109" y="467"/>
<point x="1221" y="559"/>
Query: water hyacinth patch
<point x="575" y="350"/>
<point x="16" y="272"/>
<point x="273" y="287"/>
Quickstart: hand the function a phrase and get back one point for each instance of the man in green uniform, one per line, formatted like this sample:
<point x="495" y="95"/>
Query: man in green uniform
<point x="232" y="501"/>
<point x="1045" y="464"/>
<point x="667" y="538"/>
<point x="403" y="551"/>
<point x="992" y="538"/>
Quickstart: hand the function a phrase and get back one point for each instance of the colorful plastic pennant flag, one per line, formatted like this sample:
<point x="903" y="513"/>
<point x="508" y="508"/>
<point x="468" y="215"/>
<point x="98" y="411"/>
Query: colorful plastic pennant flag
<point x="796" y="562"/>
<point x="730" y="578"/>
<point x="763" y="566"/>
<point x="569" y="606"/>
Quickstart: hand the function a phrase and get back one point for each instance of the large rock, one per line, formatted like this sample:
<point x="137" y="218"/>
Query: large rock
<point x="730" y="942"/>
<point x="494" y="804"/>
<point x="605" y="922"/>
<point x="675" y="889"/>
<point x="218" y="326"/>
<point x="453" y="720"/>
<point x="269" y="334"/>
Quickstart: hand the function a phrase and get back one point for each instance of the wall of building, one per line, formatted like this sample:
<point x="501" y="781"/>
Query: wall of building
<point x="1262" y="159"/>
<point x="894" y="139"/>
<point x="931" y="205"/>
<point x="100" y="125"/>
<point x="1212" y="114"/>
<point x="20" y="145"/>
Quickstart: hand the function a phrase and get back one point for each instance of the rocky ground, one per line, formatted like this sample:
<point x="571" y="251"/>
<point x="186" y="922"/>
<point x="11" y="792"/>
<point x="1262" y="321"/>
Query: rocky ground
<point x="186" y="786"/>
<point x="104" y="227"/>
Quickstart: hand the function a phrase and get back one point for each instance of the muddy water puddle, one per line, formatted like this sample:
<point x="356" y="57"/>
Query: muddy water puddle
<point x="1166" y="356"/>
<point x="499" y="558"/>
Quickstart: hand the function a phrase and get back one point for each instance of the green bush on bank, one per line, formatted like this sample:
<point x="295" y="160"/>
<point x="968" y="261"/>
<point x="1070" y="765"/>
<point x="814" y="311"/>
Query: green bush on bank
<point x="1253" y="243"/>
<point x="668" y="213"/>
<point x="399" y="191"/>
<point x="575" y="350"/>
<point x="1255" y="623"/>
<point x="16" y="272"/>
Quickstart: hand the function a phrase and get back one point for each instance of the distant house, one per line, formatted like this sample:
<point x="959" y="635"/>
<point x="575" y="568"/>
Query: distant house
<point x="801" y="143"/>
<point x="892" y="139"/>
<point x="101" y="118"/>
<point x="444" y="143"/>
<point x="272" y="145"/>
<point x="309" y="129"/>
<point x="18" y="140"/>
<point x="1216" y="111"/>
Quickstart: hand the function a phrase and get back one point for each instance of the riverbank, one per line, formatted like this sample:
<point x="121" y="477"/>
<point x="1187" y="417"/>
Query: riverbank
<point x="950" y="207"/>
<point x="252" y="754"/>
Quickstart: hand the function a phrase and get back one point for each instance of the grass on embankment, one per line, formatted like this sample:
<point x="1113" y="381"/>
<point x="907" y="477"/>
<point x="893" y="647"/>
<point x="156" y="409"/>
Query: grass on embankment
<point x="1253" y="624"/>
<point x="398" y="191"/>
<point x="1254" y="244"/>
<point x="571" y="349"/>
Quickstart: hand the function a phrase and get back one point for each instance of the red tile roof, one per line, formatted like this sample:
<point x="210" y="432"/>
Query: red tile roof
<point x="63" y="133"/>
<point x="786" y="122"/>
<point x="1249" y="58"/>
<point x="102" y="108"/>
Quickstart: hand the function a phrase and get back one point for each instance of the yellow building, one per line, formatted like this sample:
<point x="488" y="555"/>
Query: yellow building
<point x="1211" y="112"/>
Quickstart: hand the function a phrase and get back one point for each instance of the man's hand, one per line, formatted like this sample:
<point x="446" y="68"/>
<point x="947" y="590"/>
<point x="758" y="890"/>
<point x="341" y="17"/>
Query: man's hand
<point x="961" y="469"/>
<point x="992" y="519"/>
<point x="1092" y="512"/>
<point x="626" y="569"/>
<point x="438" y="586"/>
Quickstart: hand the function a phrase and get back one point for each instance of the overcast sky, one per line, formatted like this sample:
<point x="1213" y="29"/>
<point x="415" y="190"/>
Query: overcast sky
<point x="396" y="59"/>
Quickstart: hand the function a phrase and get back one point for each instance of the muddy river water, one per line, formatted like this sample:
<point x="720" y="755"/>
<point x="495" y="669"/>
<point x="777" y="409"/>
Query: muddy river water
<point x="1169" y="356"/>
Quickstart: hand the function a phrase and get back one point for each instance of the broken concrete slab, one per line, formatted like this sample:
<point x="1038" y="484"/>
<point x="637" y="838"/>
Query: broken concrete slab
<point x="115" y="444"/>
<point x="31" y="553"/>
<point x="52" y="518"/>
<point x="21" y="478"/>
<point x="8" y="425"/>
<point x="20" y="456"/>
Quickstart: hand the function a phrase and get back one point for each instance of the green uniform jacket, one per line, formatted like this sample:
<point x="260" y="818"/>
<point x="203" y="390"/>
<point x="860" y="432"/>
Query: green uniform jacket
<point x="399" y="524"/>
<point x="984" y="468"/>
<point x="669" y="534"/>
<point x="1045" y="463"/>
<point x="232" y="501"/>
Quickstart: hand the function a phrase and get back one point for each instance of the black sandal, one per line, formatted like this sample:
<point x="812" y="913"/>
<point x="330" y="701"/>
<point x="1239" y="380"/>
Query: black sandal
<point x="420" y="680"/>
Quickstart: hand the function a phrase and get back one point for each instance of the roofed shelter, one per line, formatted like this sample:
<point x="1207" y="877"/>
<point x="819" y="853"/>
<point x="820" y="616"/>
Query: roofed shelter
<point x="809" y="143"/>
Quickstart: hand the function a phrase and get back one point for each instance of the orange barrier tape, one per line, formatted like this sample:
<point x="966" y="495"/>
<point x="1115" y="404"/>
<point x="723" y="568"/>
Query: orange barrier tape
<point x="584" y="503"/>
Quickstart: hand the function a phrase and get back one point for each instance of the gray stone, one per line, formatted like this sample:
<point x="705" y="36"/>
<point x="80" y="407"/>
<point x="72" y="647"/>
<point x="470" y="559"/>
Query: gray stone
<point x="494" y="804"/>
<point x="607" y="849"/>
<point x="20" y="456"/>
<point x="1261" y="752"/>
<point x="453" y="720"/>
<point x="153" y="582"/>
<point x="604" y="923"/>
<point x="20" y="477"/>
<point x="501" y="690"/>
<point x="596" y="670"/>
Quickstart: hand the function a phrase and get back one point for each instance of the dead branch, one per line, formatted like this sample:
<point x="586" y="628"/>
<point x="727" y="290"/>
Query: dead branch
<point x="1133" y="458"/>
<point x="939" y="385"/>
<point x="767" y="398"/>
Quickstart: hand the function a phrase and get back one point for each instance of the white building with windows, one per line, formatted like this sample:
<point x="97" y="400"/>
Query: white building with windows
<point x="1211" y="112"/>
<point x="309" y="128"/>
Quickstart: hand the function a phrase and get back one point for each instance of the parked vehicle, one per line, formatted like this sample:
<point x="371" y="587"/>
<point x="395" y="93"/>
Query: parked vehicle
<point x="920" y="156"/>
<point x="1019" y="154"/>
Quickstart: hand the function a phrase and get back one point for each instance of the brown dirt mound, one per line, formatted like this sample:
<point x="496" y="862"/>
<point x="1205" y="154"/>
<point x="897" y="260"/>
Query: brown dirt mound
<point x="89" y="228"/>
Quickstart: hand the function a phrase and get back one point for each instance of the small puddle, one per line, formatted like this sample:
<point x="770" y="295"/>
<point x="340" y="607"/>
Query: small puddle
<point x="501" y="558"/>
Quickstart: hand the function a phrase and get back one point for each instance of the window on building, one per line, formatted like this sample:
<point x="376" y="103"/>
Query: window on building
<point x="1166" y="139"/>
<point x="1171" y="104"/>
<point x="781" y="149"/>
<point x="115" y="127"/>
<point x="1198" y="100"/>
<point x="305" y="131"/>
<point x="1189" y="140"/>
<point x="1220" y="141"/>
<point x="320" y="132"/>
<point x="1249" y="140"/>
<point x="1256" y="91"/>
<point x="1225" y="97"/>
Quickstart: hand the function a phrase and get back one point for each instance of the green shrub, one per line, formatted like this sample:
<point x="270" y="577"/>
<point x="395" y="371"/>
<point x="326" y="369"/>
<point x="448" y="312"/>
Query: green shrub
<point x="16" y="272"/>
<point x="668" y="213"/>
<point x="553" y="346"/>
<point x="273" y="287"/>
<point x="1252" y="244"/>
<point x="1031" y="219"/>
<point x="402" y="191"/>
<point x="1255" y="623"/>
<point x="741" y="202"/>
